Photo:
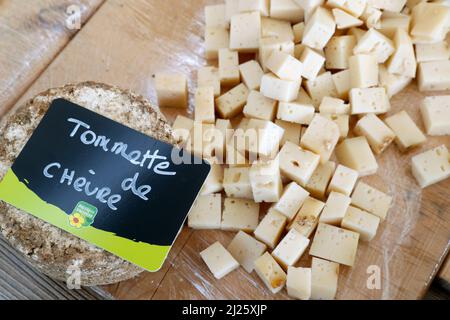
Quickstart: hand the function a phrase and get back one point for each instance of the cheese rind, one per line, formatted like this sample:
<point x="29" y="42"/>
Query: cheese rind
<point x="291" y="200"/>
<point x="344" y="180"/>
<point x="172" y="90"/>
<point x="270" y="273"/>
<point x="407" y="134"/>
<point x="239" y="214"/>
<point x="435" y="113"/>
<point x="206" y="213"/>
<point x="335" y="244"/>
<point x="360" y="221"/>
<point x="335" y="208"/>
<point x="356" y="154"/>
<point x="378" y="134"/>
<point x="270" y="228"/>
<point x="298" y="283"/>
<point x="246" y="249"/>
<point x="324" y="279"/>
<point x="232" y="103"/>
<point x="278" y="89"/>
<point x="219" y="261"/>
<point x="371" y="200"/>
<point x="431" y="166"/>
<point x="290" y="249"/>
<point x="245" y="32"/>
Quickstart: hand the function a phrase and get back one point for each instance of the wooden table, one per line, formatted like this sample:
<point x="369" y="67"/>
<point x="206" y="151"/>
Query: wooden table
<point x="124" y="42"/>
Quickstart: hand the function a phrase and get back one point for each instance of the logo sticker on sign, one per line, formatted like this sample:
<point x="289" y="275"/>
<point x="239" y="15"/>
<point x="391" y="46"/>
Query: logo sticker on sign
<point x="105" y="183"/>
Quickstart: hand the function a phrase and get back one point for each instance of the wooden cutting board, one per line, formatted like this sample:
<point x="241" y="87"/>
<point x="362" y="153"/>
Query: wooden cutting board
<point x="126" y="42"/>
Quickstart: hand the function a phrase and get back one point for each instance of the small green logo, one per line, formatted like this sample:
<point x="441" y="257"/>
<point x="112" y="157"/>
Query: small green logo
<point x="83" y="215"/>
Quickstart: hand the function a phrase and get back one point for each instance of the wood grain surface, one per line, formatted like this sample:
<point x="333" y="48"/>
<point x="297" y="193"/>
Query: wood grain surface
<point x="126" y="42"/>
<point x="31" y="35"/>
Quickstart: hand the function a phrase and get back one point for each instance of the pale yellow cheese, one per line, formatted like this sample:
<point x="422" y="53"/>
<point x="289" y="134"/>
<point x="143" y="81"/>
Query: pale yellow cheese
<point x="431" y="166"/>
<point x="298" y="30"/>
<point x="342" y="84"/>
<point x="206" y="212"/>
<point x="333" y="106"/>
<point x="319" y="29"/>
<point x="204" y="140"/>
<point x="246" y="249"/>
<point x="390" y="24"/>
<point x="372" y="17"/>
<point x="181" y="128"/>
<point x="375" y="43"/>
<point x="270" y="228"/>
<point x="231" y="9"/>
<point x="276" y="28"/>
<point x="262" y="6"/>
<point x="320" y="179"/>
<point x="324" y="279"/>
<point x="251" y="74"/>
<point x="344" y="180"/>
<point x="345" y="20"/>
<point x="338" y="51"/>
<point x="295" y="112"/>
<point x="393" y="83"/>
<point x="224" y="132"/>
<point x="260" y="107"/>
<point x="342" y="121"/>
<point x="322" y="86"/>
<point x="371" y="200"/>
<point x="285" y="66"/>
<point x="407" y="134"/>
<point x="432" y="51"/>
<point x="261" y="139"/>
<point x="290" y="249"/>
<point x="236" y="182"/>
<point x="219" y="261"/>
<point x="172" y="90"/>
<point x="278" y="89"/>
<point x="356" y="154"/>
<point x="307" y="218"/>
<point x="403" y="61"/>
<point x="369" y="100"/>
<point x="270" y="273"/>
<point x="215" y="16"/>
<point x="215" y="39"/>
<point x="434" y="75"/>
<point x="429" y="22"/>
<point x="204" y="105"/>
<point x="286" y="10"/>
<point x="377" y="133"/>
<point x="292" y="131"/>
<point x="229" y="68"/>
<point x="266" y="181"/>
<point x="335" y="208"/>
<point x="363" y="71"/>
<point x="388" y="5"/>
<point x="436" y="115"/>
<point x="312" y="62"/>
<point x="360" y="221"/>
<point x="268" y="45"/>
<point x="239" y="214"/>
<point x="213" y="182"/>
<point x="245" y="32"/>
<point x="209" y="77"/>
<point x="232" y="103"/>
<point x="291" y="200"/>
<point x="354" y="7"/>
<point x="298" y="283"/>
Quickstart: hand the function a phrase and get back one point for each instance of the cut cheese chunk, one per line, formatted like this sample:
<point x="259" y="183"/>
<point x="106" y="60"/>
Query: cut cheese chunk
<point x="371" y="200"/>
<point x="434" y="75"/>
<point x="206" y="213"/>
<point x="246" y="249"/>
<point x="270" y="273"/>
<point x="322" y="86"/>
<point x="181" y="128"/>
<point x="219" y="261"/>
<point x="388" y="5"/>
<point x="431" y="166"/>
<point x="266" y="181"/>
<point x="254" y="5"/>
<point x="172" y="90"/>
<point x="343" y="181"/>
<point x="209" y="77"/>
<point x="393" y="83"/>
<point x="251" y="74"/>
<point x="215" y="39"/>
<point x="355" y="153"/>
<point x="285" y="66"/>
<point x="432" y="51"/>
<point x="403" y="61"/>
<point x="335" y="208"/>
<point x="338" y="51"/>
<point x="215" y="16"/>
<point x="342" y="121"/>
<point x="292" y="131"/>
<point x="320" y="179"/>
<point x="236" y="182"/>
<point x="213" y="182"/>
<point x="204" y="140"/>
<point x="345" y="20"/>
<point x="290" y="249"/>
<point x="260" y="107"/>
<point x="378" y="134"/>
<point x="286" y="10"/>
<point x="335" y="244"/>
<point x="292" y="199"/>
<point x="239" y="214"/>
<point x="342" y="84"/>
<point x="224" y="132"/>
<point x="375" y="43"/>
<point x="321" y="137"/>
<point x="229" y="67"/>
<point x="298" y="30"/>
<point x="363" y="71"/>
<point x="204" y="105"/>
<point x="372" y="17"/>
<point x="324" y="279"/>
<point x="369" y="100"/>
<point x="295" y="112"/>
<point x="245" y="32"/>
<point x="308" y="217"/>
<point x="360" y="221"/>
<point x="429" y="22"/>
<point x="319" y="29"/>
<point x="297" y="164"/>
<point x="298" y="283"/>
<point x="354" y="7"/>
<point x="312" y="63"/>
<point x="436" y="115"/>
<point x="278" y="89"/>
<point x="268" y="45"/>
<point x="334" y="106"/>
<point x="268" y="137"/>
<point x="231" y="9"/>
<point x="270" y="228"/>
<point x="407" y="134"/>
<point x="232" y="103"/>
<point x="276" y="28"/>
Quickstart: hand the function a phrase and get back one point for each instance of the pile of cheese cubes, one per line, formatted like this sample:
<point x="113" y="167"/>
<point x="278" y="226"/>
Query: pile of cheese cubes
<point x="313" y="79"/>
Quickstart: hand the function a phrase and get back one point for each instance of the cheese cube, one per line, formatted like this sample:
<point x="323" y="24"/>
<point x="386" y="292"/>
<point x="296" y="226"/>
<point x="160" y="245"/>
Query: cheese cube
<point x="322" y="86"/>
<point x="343" y="181"/>
<point x="172" y="90"/>
<point x="369" y="100"/>
<point x="371" y="200"/>
<point x="345" y="20"/>
<point x="335" y="244"/>
<point x="213" y="182"/>
<point x="204" y="105"/>
<point x="407" y="134"/>
<point x="431" y="166"/>
<point x="251" y="74"/>
<point x="324" y="279"/>
<point x="432" y="51"/>
<point x="320" y="179"/>
<point x="286" y="10"/>
<point x="388" y="5"/>
<point x="358" y="33"/>
<point x="209" y="77"/>
<point x="235" y="158"/>
<point x="403" y="61"/>
<point x="375" y="43"/>
<point x="260" y="107"/>
<point x="297" y="164"/>
<point x="181" y="128"/>
<point x="278" y="89"/>
<point x="298" y="30"/>
<point x="239" y="214"/>
<point x="377" y="133"/>
<point x="354" y="7"/>
<point x="276" y="28"/>
<point x="295" y="112"/>
<point x="335" y="208"/>
<point x="429" y="22"/>
<point x="342" y="121"/>
<point x="219" y="261"/>
<point x="268" y="138"/>
<point x="254" y="5"/>
<point x="312" y="62"/>
<point x="270" y="228"/>
<point x="338" y="51"/>
<point x="270" y="273"/>
<point x="321" y="137"/>
<point x="292" y="131"/>
<point x="319" y="29"/>
<point x="363" y="71"/>
<point x="268" y="45"/>
<point x="342" y="84"/>
<point x="246" y="249"/>
<point x="436" y="115"/>
<point x="236" y="182"/>
<point x="206" y="212"/>
<point x="434" y="75"/>
<point x="215" y="39"/>
<point x="285" y="66"/>
<point x="355" y="153"/>
<point x="231" y="9"/>
<point x="266" y="181"/>
<point x="333" y="106"/>
<point x="245" y="32"/>
<point x="224" y="132"/>
<point x="360" y="221"/>
<point x="372" y="17"/>
<point x="298" y="283"/>
<point x="303" y="97"/>
<point x="215" y="16"/>
<point x="292" y="199"/>
<point x="232" y="103"/>
<point x="308" y="217"/>
<point x="229" y="67"/>
<point x="393" y="83"/>
<point x="290" y="249"/>
<point x="204" y="140"/>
